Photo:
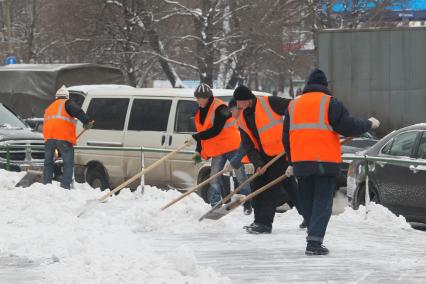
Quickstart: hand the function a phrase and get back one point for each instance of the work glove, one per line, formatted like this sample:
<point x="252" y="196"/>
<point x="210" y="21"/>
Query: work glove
<point x="289" y="171"/>
<point x="89" y="125"/>
<point x="190" y="141"/>
<point x="374" y="123"/>
<point x="196" y="158"/>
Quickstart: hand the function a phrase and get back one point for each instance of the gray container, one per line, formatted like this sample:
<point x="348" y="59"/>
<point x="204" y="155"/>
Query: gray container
<point x="377" y="72"/>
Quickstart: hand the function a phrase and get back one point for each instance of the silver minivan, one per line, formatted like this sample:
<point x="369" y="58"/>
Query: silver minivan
<point x="141" y="117"/>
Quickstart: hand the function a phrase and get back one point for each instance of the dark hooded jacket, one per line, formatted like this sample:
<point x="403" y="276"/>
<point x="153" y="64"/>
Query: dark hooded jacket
<point x="340" y="120"/>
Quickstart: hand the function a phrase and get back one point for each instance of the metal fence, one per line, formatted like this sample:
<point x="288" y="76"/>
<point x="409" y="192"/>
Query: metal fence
<point x="365" y="158"/>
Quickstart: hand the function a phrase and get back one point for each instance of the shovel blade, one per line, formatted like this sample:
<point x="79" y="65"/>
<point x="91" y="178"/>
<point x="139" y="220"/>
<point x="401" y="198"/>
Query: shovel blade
<point x="217" y="213"/>
<point x="30" y="178"/>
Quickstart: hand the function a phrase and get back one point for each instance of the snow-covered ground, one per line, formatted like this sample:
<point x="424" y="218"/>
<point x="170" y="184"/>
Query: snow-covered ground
<point x="129" y="240"/>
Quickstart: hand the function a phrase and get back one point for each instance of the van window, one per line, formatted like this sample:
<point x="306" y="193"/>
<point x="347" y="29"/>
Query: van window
<point x="185" y="112"/>
<point x="149" y="115"/>
<point x="108" y="114"/>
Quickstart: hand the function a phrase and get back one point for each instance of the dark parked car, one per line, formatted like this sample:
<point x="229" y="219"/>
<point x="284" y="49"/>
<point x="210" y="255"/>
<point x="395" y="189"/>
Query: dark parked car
<point x="36" y="123"/>
<point x="399" y="187"/>
<point x="14" y="134"/>
<point x="357" y="144"/>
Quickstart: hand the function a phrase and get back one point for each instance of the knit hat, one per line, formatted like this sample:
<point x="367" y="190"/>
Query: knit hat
<point x="232" y="104"/>
<point x="317" y="77"/>
<point x="62" y="92"/>
<point x="203" y="91"/>
<point x="243" y="93"/>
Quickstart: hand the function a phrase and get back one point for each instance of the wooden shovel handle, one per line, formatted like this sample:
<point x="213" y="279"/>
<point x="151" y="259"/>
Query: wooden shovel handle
<point x="255" y="175"/>
<point x="188" y="192"/>
<point x="257" y="192"/>
<point x="141" y="173"/>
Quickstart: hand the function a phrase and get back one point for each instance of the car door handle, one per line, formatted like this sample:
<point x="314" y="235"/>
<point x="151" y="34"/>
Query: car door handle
<point x="382" y="164"/>
<point x="170" y="140"/>
<point x="163" y="139"/>
<point x="416" y="169"/>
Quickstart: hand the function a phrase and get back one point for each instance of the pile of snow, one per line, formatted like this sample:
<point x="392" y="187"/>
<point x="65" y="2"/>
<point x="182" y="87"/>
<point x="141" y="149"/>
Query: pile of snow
<point x="106" y="245"/>
<point x="130" y="240"/>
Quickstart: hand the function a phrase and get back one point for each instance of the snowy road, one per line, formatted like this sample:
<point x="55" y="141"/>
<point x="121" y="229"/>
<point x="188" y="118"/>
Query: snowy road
<point x="361" y="254"/>
<point x="128" y="240"/>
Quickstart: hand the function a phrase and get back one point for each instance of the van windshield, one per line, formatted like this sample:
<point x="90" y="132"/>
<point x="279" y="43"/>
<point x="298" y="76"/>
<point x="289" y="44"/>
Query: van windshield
<point x="8" y="119"/>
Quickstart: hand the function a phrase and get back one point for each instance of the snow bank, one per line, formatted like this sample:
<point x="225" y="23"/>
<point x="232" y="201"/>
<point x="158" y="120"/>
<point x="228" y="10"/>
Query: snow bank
<point x="104" y="246"/>
<point x="377" y="216"/>
<point x="113" y="242"/>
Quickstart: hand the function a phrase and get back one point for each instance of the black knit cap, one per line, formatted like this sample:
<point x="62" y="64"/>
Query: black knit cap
<point x="317" y="77"/>
<point x="243" y="93"/>
<point x="203" y="91"/>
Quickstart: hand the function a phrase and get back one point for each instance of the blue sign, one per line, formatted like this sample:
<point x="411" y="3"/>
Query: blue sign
<point x="11" y="59"/>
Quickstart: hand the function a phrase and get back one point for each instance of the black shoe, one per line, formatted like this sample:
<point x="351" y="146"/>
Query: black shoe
<point x="249" y="226"/>
<point x="247" y="208"/>
<point x="303" y="225"/>
<point x="316" y="248"/>
<point x="259" y="229"/>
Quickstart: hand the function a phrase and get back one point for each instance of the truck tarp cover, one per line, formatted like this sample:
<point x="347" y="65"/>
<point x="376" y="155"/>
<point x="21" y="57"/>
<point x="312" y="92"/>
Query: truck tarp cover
<point x="378" y="72"/>
<point x="29" y="88"/>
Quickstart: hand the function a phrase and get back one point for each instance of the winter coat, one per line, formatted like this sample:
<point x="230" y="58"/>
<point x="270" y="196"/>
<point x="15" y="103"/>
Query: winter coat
<point x="342" y="123"/>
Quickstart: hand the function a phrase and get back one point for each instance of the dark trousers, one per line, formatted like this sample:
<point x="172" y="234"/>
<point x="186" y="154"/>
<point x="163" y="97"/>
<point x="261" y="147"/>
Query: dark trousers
<point x="67" y="154"/>
<point x="265" y="203"/>
<point x="316" y="199"/>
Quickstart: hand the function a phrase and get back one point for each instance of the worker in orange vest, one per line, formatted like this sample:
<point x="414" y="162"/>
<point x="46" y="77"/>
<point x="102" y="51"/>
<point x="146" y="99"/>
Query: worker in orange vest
<point x="261" y="126"/>
<point x="217" y="138"/>
<point x="313" y="123"/>
<point x="59" y="133"/>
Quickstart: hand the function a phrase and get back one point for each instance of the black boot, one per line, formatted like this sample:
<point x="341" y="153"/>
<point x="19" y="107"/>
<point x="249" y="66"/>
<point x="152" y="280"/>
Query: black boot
<point x="247" y="208"/>
<point x="249" y="226"/>
<point x="259" y="229"/>
<point x="316" y="248"/>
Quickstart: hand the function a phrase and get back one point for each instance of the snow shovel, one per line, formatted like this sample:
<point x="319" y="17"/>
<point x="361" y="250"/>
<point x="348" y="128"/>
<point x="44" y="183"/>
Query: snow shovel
<point x="30" y="177"/>
<point x="238" y="189"/>
<point x="225" y="210"/>
<point x="92" y="203"/>
<point x="188" y="192"/>
<point x="33" y="176"/>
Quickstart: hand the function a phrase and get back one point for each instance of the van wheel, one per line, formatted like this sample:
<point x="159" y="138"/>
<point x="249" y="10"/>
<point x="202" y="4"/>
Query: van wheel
<point x="96" y="178"/>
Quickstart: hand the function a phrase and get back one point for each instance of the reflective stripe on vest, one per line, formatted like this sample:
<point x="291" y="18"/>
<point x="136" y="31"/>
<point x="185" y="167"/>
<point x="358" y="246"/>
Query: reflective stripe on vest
<point x="58" y="124"/>
<point x="321" y="118"/>
<point x="59" y="114"/>
<point x="312" y="138"/>
<point x="272" y="121"/>
<point x="271" y="142"/>
<point x="226" y="141"/>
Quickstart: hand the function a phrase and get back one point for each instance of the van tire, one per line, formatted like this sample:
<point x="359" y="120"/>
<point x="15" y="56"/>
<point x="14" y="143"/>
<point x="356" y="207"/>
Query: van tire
<point x="96" y="178"/>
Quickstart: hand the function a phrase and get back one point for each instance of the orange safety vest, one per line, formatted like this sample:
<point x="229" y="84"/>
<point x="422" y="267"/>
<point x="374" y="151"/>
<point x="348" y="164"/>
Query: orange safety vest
<point x="311" y="136"/>
<point x="226" y="141"/>
<point x="269" y="126"/>
<point x="245" y="159"/>
<point x="58" y="124"/>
